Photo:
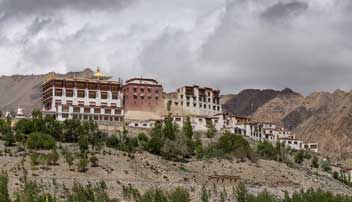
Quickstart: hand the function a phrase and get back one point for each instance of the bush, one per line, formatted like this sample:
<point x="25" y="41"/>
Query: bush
<point x="113" y="141"/>
<point x="266" y="150"/>
<point x="154" y="195"/>
<point x="325" y="165"/>
<point x="91" y="193"/>
<point x="94" y="160"/>
<point x="211" y="130"/>
<point x="9" y="139"/>
<point x="82" y="165"/>
<point x="4" y="191"/>
<point x="53" y="157"/>
<point x="315" y="162"/>
<point x="40" y="141"/>
<point x="179" y="195"/>
<point x="299" y="157"/>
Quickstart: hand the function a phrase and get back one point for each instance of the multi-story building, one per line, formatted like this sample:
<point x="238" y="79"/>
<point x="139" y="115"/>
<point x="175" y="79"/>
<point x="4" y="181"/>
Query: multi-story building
<point x="195" y="100"/>
<point x="141" y="94"/>
<point x="143" y="100"/>
<point x="97" y="98"/>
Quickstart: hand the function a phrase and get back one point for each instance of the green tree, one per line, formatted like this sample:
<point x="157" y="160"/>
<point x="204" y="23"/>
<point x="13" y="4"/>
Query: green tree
<point x="211" y="131"/>
<point x="156" y="141"/>
<point x="4" y="191"/>
<point x="325" y="165"/>
<point x="83" y="143"/>
<point x="266" y="150"/>
<point x="40" y="141"/>
<point x="9" y="139"/>
<point x="169" y="129"/>
<point x="315" y="162"/>
<point x="299" y="157"/>
<point x="187" y="128"/>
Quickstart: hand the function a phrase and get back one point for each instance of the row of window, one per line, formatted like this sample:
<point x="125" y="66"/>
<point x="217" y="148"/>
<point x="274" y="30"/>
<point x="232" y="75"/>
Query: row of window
<point x="202" y="99"/>
<point x="88" y="110"/>
<point x="90" y="94"/>
<point x="94" y="117"/>
<point x="135" y="97"/>
<point x="142" y="90"/>
<point x="215" y="108"/>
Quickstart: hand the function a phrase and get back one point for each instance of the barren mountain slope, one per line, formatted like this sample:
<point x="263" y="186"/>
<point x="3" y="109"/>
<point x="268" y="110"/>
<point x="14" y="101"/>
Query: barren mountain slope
<point x="278" y="108"/>
<point x="248" y="101"/>
<point x="25" y="90"/>
<point x="329" y="124"/>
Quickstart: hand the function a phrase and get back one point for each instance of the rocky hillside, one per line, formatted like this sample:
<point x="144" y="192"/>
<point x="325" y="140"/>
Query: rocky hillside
<point x="25" y="90"/>
<point x="321" y="117"/>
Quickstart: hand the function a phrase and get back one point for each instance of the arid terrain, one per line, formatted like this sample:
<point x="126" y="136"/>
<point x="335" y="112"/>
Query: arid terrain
<point x="144" y="170"/>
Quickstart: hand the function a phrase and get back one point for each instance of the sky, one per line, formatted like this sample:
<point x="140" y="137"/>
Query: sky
<point x="231" y="45"/>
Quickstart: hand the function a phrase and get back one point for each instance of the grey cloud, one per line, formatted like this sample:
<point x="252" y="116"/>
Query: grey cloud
<point x="22" y="8"/>
<point x="313" y="53"/>
<point x="281" y="11"/>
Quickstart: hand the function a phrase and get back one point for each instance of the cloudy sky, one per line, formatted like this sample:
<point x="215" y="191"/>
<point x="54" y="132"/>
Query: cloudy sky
<point x="228" y="44"/>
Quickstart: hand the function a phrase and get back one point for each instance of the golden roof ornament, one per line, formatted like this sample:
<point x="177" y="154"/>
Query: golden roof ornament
<point x="100" y="76"/>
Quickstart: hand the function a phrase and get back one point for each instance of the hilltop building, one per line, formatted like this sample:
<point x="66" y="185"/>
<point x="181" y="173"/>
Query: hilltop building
<point x="97" y="98"/>
<point x="143" y="101"/>
<point x="195" y="100"/>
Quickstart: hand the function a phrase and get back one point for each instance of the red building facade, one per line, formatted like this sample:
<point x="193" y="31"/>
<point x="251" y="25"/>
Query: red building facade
<point x="141" y="94"/>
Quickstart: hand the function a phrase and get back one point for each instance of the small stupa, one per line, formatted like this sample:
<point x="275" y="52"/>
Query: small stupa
<point x="20" y="114"/>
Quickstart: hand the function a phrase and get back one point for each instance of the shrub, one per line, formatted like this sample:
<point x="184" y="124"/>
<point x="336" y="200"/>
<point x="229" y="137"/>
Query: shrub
<point x="211" y="130"/>
<point x="187" y="128"/>
<point x="266" y="150"/>
<point x="315" y="162"/>
<point x="40" y="141"/>
<point x="82" y="165"/>
<point x="9" y="139"/>
<point x="179" y="195"/>
<point x="4" y="191"/>
<point x="53" y="157"/>
<point x="299" y="157"/>
<point x="113" y="141"/>
<point x="91" y="193"/>
<point x="154" y="195"/>
<point x="94" y="160"/>
<point x="325" y="165"/>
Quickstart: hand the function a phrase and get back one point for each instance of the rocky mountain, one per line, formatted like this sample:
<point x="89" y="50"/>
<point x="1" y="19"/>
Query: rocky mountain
<point x="25" y="90"/>
<point x="321" y="117"/>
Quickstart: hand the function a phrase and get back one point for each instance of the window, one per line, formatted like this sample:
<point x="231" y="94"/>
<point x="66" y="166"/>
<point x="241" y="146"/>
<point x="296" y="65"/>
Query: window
<point x="76" y="109"/>
<point x="149" y="97"/>
<point x="92" y="94"/>
<point x="194" y="105"/>
<point x="107" y="111"/>
<point x="104" y="95"/>
<point x="142" y="90"/>
<point x="149" y="90"/>
<point x="117" y="111"/>
<point x="142" y="97"/>
<point x="135" y="89"/>
<point x="97" y="110"/>
<point x="58" y="92"/>
<point x="135" y="97"/>
<point x="69" y="93"/>
<point x="115" y="96"/>
<point x="86" y="110"/>
<point x="157" y="91"/>
<point x="187" y="104"/>
<point x="65" y="108"/>
<point x="81" y="94"/>
<point x="157" y="98"/>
